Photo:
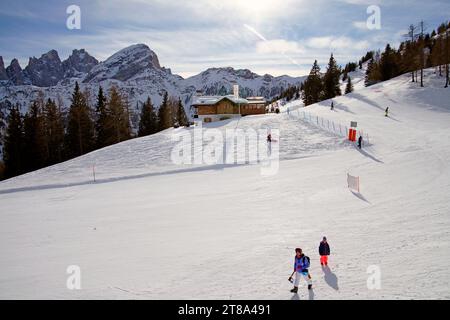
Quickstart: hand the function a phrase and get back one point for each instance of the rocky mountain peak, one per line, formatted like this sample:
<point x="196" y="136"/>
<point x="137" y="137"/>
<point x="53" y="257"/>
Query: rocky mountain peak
<point x="3" y="74"/>
<point x="137" y="73"/>
<point x="78" y="63"/>
<point x="242" y="73"/>
<point x="125" y="64"/>
<point x="14" y="72"/>
<point x="45" y="71"/>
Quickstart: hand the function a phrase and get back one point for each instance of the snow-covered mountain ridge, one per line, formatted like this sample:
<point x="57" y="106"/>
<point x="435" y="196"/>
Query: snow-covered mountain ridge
<point x="135" y="70"/>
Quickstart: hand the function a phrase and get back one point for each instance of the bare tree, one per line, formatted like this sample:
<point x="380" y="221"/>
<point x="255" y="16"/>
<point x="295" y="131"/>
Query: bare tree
<point x="412" y="36"/>
<point x="422" y="48"/>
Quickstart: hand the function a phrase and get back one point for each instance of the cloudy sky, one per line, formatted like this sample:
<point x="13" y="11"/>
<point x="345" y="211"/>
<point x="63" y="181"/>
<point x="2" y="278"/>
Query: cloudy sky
<point x="265" y="36"/>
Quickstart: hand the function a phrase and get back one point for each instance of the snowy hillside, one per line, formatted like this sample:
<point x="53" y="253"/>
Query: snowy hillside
<point x="357" y="77"/>
<point x="153" y="230"/>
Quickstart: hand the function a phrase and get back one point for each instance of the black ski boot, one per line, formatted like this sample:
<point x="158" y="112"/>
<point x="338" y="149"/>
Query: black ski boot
<point x="294" y="290"/>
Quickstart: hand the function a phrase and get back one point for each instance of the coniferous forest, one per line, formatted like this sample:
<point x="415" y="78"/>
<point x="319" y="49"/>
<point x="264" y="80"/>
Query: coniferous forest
<point x="47" y="134"/>
<point x="417" y="52"/>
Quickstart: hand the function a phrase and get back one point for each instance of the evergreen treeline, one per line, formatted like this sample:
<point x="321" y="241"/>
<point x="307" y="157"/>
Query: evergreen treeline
<point x="349" y="86"/>
<point x="45" y="135"/>
<point x="317" y="87"/>
<point x="349" y="67"/>
<point x="419" y="51"/>
<point x="292" y="92"/>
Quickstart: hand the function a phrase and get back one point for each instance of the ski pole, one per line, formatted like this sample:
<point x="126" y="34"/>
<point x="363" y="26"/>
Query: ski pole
<point x="290" y="278"/>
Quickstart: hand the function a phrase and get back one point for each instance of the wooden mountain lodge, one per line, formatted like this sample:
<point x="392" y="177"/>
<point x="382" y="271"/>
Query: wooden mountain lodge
<point x="216" y="108"/>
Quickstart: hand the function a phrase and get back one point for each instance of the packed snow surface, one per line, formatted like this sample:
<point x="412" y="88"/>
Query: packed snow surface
<point x="151" y="229"/>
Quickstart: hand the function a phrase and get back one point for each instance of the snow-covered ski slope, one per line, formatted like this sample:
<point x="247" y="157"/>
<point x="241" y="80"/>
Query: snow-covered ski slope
<point x="149" y="229"/>
<point x="357" y="77"/>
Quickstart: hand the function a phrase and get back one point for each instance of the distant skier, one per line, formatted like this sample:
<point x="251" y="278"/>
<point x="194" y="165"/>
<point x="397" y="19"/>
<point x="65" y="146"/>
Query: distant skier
<point x="386" y="112"/>
<point x="269" y="138"/>
<point x="301" y="265"/>
<point x="360" y="142"/>
<point x="332" y="106"/>
<point x="324" y="251"/>
<point x="288" y="110"/>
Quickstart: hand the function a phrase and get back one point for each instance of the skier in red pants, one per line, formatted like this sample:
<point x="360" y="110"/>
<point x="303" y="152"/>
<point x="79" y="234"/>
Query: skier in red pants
<point x="324" y="251"/>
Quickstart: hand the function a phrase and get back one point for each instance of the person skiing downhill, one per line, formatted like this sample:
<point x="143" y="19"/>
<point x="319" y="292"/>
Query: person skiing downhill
<point x="324" y="251"/>
<point x="332" y="106"/>
<point x="386" y="112"/>
<point x="301" y="265"/>
<point x="269" y="138"/>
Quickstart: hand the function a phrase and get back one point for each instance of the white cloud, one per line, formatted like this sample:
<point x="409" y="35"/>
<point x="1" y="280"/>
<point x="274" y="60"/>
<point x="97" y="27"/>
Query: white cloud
<point x="361" y="25"/>
<point x="279" y="46"/>
<point x="336" y="43"/>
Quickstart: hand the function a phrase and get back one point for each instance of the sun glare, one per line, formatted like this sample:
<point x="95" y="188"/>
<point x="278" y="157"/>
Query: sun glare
<point x="258" y="8"/>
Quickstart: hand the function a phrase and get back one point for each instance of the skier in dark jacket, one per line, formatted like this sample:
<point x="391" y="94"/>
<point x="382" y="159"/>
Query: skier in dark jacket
<point x="360" y="140"/>
<point x="324" y="251"/>
<point x="386" y="112"/>
<point x="301" y="265"/>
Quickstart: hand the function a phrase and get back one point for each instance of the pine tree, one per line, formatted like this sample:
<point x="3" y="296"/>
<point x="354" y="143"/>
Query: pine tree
<point x="118" y="123"/>
<point x="4" y="105"/>
<point x="370" y="66"/>
<point x="388" y="64"/>
<point x="182" y="119"/>
<point x="54" y="132"/>
<point x="148" y="123"/>
<point x="297" y="93"/>
<point x="331" y="86"/>
<point x="372" y="73"/>
<point x="173" y="111"/>
<point x="101" y="121"/>
<point x="349" y="87"/>
<point x="437" y="53"/>
<point x="2" y="170"/>
<point x="165" y="117"/>
<point x="36" y="152"/>
<point x="128" y="115"/>
<point x="14" y="144"/>
<point x="312" y="86"/>
<point x="79" y="138"/>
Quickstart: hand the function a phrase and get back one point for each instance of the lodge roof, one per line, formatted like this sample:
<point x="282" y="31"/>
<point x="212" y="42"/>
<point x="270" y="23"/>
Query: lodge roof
<point x="210" y="100"/>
